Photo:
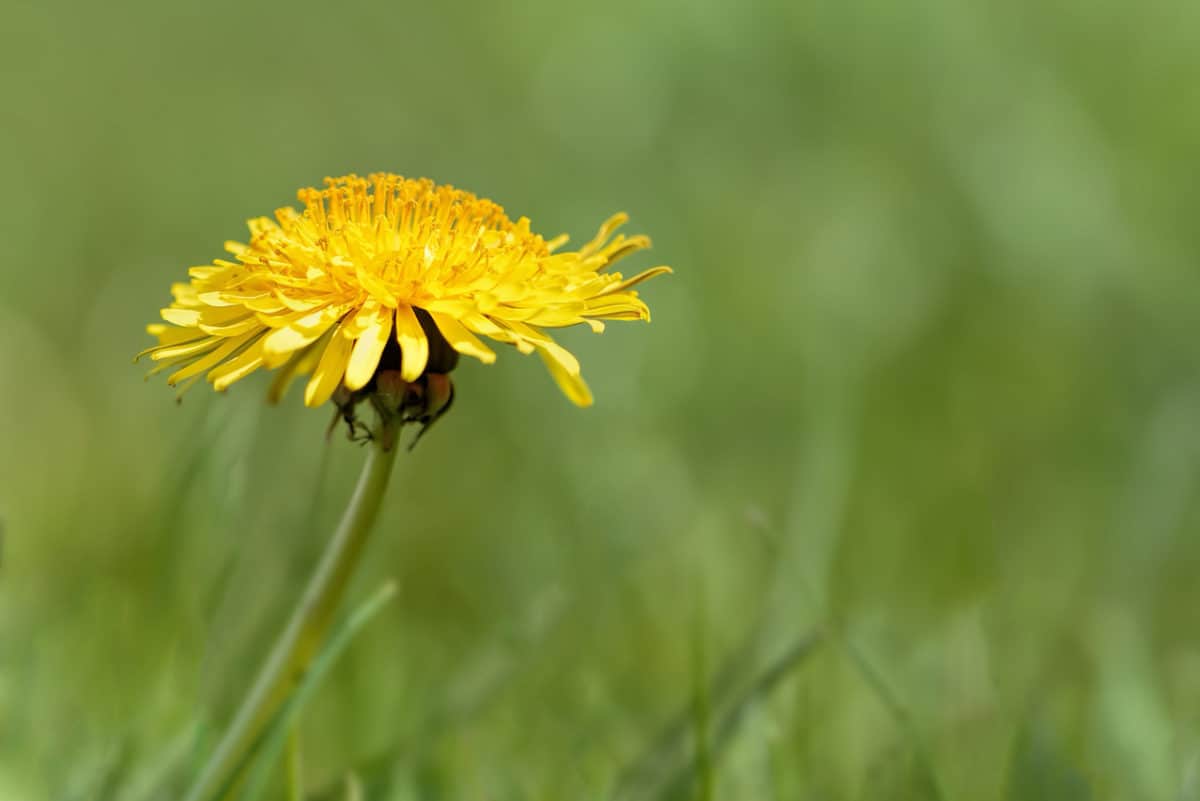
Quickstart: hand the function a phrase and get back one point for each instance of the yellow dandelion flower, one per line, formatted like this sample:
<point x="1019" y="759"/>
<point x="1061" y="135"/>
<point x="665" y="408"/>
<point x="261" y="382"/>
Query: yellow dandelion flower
<point x="389" y="276"/>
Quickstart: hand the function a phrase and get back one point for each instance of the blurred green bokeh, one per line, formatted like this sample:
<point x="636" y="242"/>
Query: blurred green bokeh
<point x="927" y="376"/>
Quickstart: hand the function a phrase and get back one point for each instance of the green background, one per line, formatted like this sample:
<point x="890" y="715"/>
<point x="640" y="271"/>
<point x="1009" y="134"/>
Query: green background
<point x="927" y="378"/>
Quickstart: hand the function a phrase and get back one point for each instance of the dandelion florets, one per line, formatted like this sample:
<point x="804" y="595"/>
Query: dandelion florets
<point x="389" y="273"/>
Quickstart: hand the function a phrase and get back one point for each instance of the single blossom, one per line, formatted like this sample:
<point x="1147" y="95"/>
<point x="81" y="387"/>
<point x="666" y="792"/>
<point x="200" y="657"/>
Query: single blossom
<point x="390" y="278"/>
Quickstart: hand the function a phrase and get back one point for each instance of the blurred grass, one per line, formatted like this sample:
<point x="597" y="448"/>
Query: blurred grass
<point x="930" y="352"/>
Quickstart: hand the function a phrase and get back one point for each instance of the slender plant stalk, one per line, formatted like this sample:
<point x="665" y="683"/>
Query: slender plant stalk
<point x="306" y="630"/>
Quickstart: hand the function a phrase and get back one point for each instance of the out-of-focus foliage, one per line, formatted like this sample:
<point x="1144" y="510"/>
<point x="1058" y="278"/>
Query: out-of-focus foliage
<point x="927" y="377"/>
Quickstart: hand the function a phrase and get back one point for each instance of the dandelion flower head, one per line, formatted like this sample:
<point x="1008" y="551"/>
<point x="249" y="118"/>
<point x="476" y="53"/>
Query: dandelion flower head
<point x="389" y="273"/>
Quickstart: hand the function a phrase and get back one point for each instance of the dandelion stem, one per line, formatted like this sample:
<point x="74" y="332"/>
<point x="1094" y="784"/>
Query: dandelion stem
<point x="301" y="640"/>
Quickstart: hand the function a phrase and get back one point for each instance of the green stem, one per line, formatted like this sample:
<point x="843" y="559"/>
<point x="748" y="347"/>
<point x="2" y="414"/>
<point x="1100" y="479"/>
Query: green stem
<point x="305" y="631"/>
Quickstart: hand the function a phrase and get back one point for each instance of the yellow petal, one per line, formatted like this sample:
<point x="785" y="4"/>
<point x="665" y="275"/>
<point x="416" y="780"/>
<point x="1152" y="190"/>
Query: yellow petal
<point x="563" y="357"/>
<point x="296" y="304"/>
<point x="185" y="295"/>
<point x="568" y="314"/>
<point x="206" y="271"/>
<point x="361" y="320"/>
<point x="374" y="285"/>
<point x="238" y="367"/>
<point x="573" y="386"/>
<point x="329" y="371"/>
<point x="171" y="364"/>
<point x="210" y="361"/>
<point x="185" y="349"/>
<point x="187" y="318"/>
<point x="247" y="323"/>
<point x="618" y="307"/>
<point x="482" y="325"/>
<point x="611" y="224"/>
<point x="169" y="336"/>
<point x="266" y="304"/>
<point x="637" y="279"/>
<point x="230" y="297"/>
<point x="621" y="247"/>
<point x="457" y="307"/>
<point x="414" y="347"/>
<point x="298" y="332"/>
<point x="221" y="315"/>
<point x="461" y="339"/>
<point x="367" y="350"/>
